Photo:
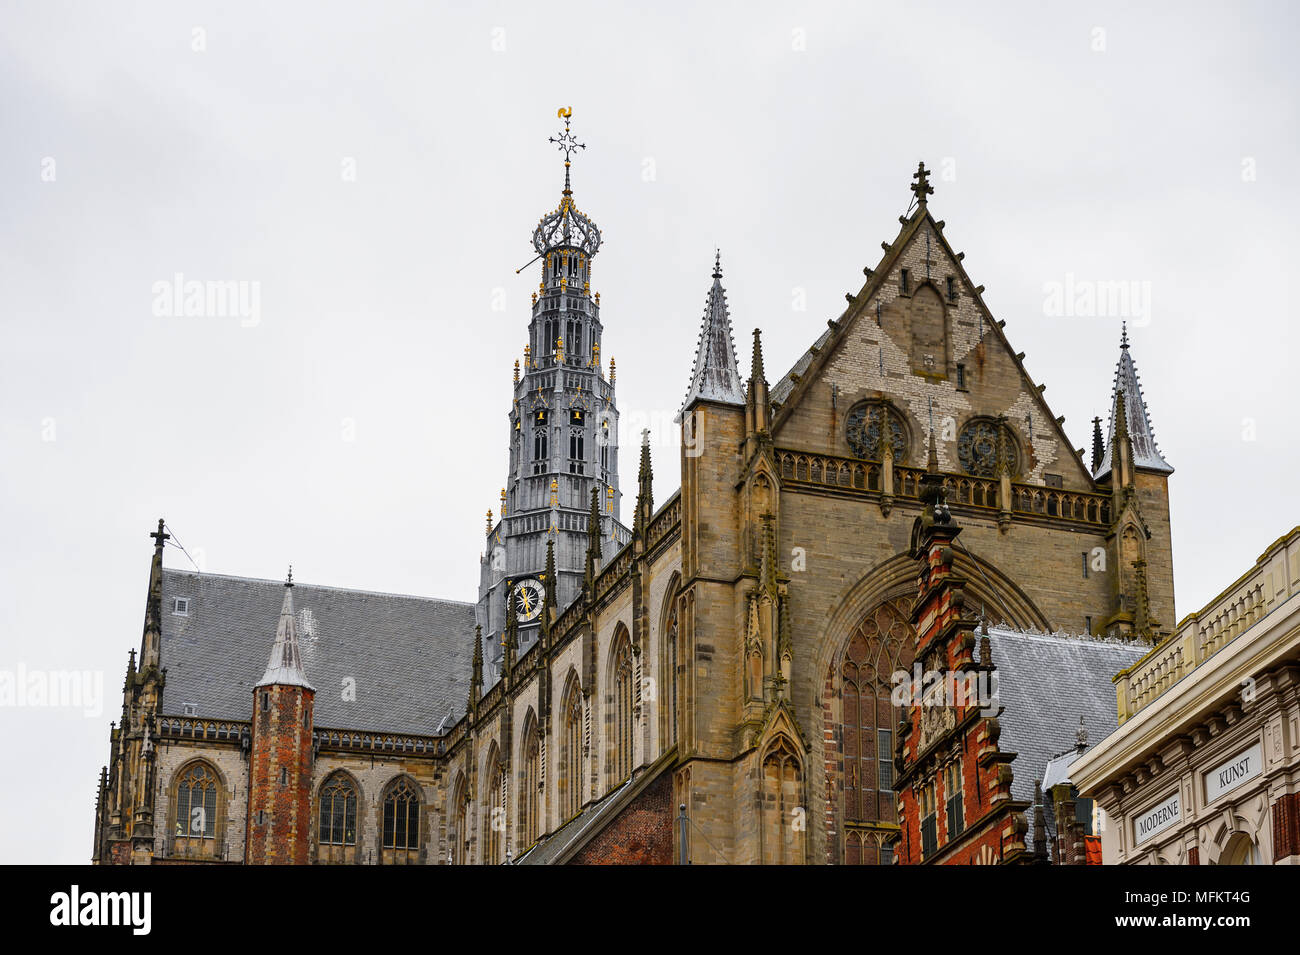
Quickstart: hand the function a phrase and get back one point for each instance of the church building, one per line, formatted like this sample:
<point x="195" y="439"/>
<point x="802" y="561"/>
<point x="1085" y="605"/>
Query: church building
<point x="711" y="682"/>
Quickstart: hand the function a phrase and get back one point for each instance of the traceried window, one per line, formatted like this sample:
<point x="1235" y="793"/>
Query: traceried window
<point x="867" y="427"/>
<point x="196" y="803"/>
<point x="338" y="812"/>
<point x="978" y="448"/>
<point x="402" y="816"/>
<point x="880" y="646"/>
<point x="623" y="716"/>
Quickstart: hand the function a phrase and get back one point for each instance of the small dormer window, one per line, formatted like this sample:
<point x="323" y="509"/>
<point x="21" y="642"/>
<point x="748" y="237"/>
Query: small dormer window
<point x="181" y="606"/>
<point x="191" y="709"/>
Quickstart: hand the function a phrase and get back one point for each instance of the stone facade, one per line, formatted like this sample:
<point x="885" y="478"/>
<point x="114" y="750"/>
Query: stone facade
<point x="710" y="642"/>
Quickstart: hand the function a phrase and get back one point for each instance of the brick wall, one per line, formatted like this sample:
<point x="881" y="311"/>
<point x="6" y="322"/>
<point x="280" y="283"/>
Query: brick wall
<point x="642" y="834"/>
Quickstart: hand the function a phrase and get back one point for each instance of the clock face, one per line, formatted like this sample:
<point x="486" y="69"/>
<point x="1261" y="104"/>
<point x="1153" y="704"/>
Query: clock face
<point x="528" y="600"/>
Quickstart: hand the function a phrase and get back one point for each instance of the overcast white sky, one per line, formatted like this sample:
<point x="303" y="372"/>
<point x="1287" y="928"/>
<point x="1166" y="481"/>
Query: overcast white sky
<point x="1162" y="149"/>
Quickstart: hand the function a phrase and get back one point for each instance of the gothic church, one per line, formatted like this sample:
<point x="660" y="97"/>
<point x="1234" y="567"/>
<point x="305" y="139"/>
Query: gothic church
<point x="711" y="684"/>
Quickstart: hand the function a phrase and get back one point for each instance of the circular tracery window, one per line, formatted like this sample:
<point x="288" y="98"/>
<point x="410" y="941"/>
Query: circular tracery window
<point x="868" y="424"/>
<point x="977" y="448"/>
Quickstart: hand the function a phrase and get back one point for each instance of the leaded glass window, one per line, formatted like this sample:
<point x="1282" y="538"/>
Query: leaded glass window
<point x="196" y="803"/>
<point x="977" y="448"/>
<point x="338" y="812"/>
<point x="402" y="817"/>
<point x="867" y="426"/>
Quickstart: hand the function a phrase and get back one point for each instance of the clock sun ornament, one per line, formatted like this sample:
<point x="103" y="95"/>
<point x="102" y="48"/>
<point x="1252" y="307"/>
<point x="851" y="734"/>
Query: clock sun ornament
<point x="528" y="599"/>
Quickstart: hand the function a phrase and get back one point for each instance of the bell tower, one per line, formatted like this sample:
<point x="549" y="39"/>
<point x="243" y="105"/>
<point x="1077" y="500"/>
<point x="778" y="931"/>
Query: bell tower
<point x="563" y="435"/>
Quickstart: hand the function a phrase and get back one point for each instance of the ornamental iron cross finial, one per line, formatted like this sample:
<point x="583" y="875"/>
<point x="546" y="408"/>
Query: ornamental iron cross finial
<point x="566" y="142"/>
<point x="922" y="188"/>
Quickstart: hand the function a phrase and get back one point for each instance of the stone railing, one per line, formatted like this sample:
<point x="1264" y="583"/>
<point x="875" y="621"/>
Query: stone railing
<point x="189" y="727"/>
<point x="1273" y="579"/>
<point x="352" y="741"/>
<point x="822" y="470"/>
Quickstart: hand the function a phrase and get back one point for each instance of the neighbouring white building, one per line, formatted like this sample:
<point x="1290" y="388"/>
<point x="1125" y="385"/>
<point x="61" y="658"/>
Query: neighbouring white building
<point x="1205" y="766"/>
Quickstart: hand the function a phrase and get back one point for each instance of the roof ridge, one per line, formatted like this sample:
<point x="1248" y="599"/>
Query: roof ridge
<point x="349" y="590"/>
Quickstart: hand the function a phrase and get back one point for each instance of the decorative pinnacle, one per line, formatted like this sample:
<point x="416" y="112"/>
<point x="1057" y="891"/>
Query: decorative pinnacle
<point x="288" y="581"/>
<point x="567" y="144"/>
<point x="717" y="263"/>
<point x="1123" y="335"/>
<point x="921" y="188"/>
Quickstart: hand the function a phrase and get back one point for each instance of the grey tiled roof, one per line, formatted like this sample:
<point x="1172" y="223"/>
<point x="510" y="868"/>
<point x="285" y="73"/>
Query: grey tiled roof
<point x="410" y="656"/>
<point x="714" y="375"/>
<point x="1046" y="682"/>
<point x="1146" y="454"/>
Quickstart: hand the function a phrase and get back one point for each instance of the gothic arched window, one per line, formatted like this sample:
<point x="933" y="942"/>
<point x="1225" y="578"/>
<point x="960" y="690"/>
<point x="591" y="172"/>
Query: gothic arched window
<point x="782" y="794"/>
<point x="458" y="838"/>
<point x="531" y="795"/>
<point x="571" y="797"/>
<point x="402" y="816"/>
<point x="670" y="646"/>
<point x="881" y="645"/>
<point x="338" y="812"/>
<point x="623" y="703"/>
<point x="494" y="810"/>
<point x="196" y="803"/>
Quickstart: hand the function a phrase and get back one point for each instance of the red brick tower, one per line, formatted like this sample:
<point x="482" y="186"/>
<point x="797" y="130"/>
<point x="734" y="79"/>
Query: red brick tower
<point x="279" y="792"/>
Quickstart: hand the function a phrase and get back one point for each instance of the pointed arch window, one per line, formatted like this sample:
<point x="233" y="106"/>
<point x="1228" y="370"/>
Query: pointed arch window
<point x="338" y="812"/>
<point x="196" y="803"/>
<point x="196" y="815"/>
<point x="881" y="645"/>
<point x="623" y="714"/>
<point x="572" y="795"/>
<point x="532" y="789"/>
<point x="782" y="794"/>
<point x="670" y="639"/>
<point x="402" y="817"/>
<point x="459" y="835"/>
<point x="494" y="822"/>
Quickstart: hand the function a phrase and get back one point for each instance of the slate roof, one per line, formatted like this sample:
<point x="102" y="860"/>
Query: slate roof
<point x="714" y="376"/>
<point x="1046" y="682"/>
<point x="410" y="656"/>
<point x="1146" y="454"/>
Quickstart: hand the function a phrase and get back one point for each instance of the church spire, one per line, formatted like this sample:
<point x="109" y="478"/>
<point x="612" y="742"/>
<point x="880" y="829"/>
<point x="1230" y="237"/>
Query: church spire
<point x="1146" y="454"/>
<point x="284" y="668"/>
<point x="593" y="546"/>
<point x="476" y="673"/>
<point x="714" y="376"/>
<point x="151" y="645"/>
<point x="644" y="489"/>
